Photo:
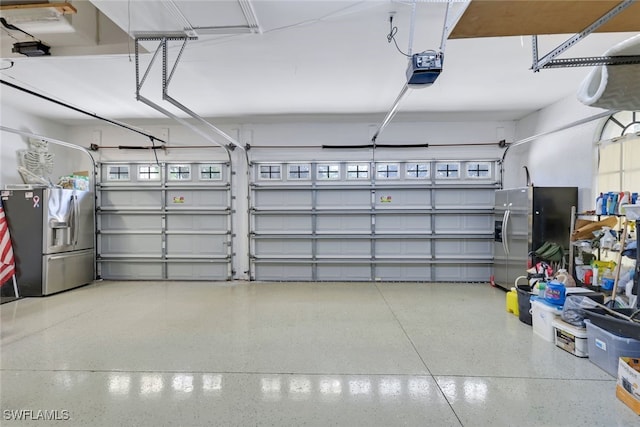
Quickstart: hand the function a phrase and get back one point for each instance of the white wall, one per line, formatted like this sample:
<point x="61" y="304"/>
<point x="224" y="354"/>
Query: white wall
<point x="265" y="137"/>
<point x="66" y="160"/>
<point x="564" y="158"/>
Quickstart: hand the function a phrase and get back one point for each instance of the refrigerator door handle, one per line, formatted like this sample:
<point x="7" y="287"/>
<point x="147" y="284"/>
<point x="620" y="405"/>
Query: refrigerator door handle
<point x="72" y="228"/>
<point x="502" y="231"/>
<point x="76" y="220"/>
<point x="505" y="231"/>
<point x="72" y="221"/>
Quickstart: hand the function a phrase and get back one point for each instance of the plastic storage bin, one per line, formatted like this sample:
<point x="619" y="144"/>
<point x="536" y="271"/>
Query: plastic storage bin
<point x="524" y="303"/>
<point x="542" y="315"/>
<point x="623" y="328"/>
<point x="570" y="338"/>
<point x="605" y="348"/>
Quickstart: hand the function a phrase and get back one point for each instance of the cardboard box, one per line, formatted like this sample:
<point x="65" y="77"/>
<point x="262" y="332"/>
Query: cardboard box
<point x="586" y="231"/>
<point x="628" y="386"/>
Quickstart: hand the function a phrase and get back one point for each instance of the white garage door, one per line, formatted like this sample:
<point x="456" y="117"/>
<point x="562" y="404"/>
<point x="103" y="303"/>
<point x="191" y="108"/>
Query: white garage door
<point x="403" y="220"/>
<point x="164" y="221"/>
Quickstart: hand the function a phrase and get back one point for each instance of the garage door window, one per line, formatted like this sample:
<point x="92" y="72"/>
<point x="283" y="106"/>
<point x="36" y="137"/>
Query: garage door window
<point x="149" y="173"/>
<point x="358" y="171"/>
<point x="299" y="172"/>
<point x="328" y="171"/>
<point x="387" y="171"/>
<point x="618" y="150"/>
<point x="179" y="172"/>
<point x="270" y="172"/>
<point x="448" y="170"/>
<point x="210" y="173"/>
<point x="477" y="170"/>
<point x="417" y="170"/>
<point x="118" y="173"/>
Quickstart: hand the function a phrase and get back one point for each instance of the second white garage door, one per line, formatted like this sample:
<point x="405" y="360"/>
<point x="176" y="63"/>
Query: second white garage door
<point x="403" y="220"/>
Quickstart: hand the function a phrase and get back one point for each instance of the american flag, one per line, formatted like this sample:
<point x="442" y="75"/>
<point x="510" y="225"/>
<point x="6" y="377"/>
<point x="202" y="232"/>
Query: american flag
<point x="7" y="264"/>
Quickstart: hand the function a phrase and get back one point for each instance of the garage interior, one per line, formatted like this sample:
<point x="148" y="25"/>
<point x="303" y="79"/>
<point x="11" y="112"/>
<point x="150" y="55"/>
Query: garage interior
<point x="292" y="208"/>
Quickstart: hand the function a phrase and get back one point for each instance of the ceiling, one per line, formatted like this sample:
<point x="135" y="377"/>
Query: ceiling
<point x="308" y="57"/>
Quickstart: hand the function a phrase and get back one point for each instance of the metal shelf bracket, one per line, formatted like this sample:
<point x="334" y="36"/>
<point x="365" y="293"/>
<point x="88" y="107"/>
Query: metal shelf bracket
<point x="549" y="61"/>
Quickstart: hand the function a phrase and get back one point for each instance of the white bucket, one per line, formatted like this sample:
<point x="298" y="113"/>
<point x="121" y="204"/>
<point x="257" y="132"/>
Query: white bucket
<point x="542" y="317"/>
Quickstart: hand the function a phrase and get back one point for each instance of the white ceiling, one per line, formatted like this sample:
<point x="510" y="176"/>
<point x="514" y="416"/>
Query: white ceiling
<point x="312" y="57"/>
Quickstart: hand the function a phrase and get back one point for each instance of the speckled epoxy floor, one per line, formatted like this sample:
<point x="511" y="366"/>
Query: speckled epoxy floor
<point x="290" y="354"/>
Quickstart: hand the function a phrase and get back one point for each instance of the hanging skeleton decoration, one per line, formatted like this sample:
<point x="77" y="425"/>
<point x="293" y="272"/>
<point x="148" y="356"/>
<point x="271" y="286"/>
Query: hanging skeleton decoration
<point x="37" y="160"/>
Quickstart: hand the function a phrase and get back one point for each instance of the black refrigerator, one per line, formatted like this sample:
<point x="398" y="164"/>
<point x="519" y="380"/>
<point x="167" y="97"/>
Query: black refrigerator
<point x="524" y="219"/>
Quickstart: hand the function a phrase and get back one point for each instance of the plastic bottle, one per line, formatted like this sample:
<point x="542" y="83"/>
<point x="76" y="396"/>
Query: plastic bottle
<point x="596" y="279"/>
<point x="625" y="199"/>
<point x="599" y="204"/>
<point x="588" y="277"/>
<point x="512" y="302"/>
<point x="607" y="279"/>
<point x="607" y="240"/>
<point x="540" y="287"/>
<point x="612" y="202"/>
<point x="605" y="202"/>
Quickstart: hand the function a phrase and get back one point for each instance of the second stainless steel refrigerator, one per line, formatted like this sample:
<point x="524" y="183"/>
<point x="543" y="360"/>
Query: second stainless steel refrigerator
<point x="525" y="218"/>
<point x="53" y="236"/>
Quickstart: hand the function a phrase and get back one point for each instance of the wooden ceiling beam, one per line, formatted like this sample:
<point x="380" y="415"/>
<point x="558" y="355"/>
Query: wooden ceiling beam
<point x="488" y="18"/>
<point x="62" y="8"/>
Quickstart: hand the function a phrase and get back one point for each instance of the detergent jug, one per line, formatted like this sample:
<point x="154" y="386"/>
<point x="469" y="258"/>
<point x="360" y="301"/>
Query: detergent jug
<point x="555" y="293"/>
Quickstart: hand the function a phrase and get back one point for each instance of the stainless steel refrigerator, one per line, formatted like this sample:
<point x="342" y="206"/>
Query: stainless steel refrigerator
<point x="525" y="218"/>
<point x="52" y="231"/>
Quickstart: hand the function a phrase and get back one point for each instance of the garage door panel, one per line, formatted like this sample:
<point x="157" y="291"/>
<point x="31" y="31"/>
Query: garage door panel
<point x="347" y="223"/>
<point x="344" y="198"/>
<point x="342" y="272"/>
<point x="457" y="223"/>
<point x="464" y="197"/>
<point x="283" y="224"/>
<point x="470" y="273"/>
<point x="197" y="222"/>
<point x="403" y="273"/>
<point x="130" y="199"/>
<point x="124" y="270"/>
<point x="110" y="222"/>
<point x="281" y="199"/>
<point x="195" y="271"/>
<point x="197" y="245"/>
<point x="286" y="272"/>
<point x="465" y="248"/>
<point x="387" y="197"/>
<point x="293" y="247"/>
<point x="399" y="223"/>
<point x="344" y="247"/>
<point x="403" y="248"/>
<point x="197" y="199"/>
<point x="131" y="244"/>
